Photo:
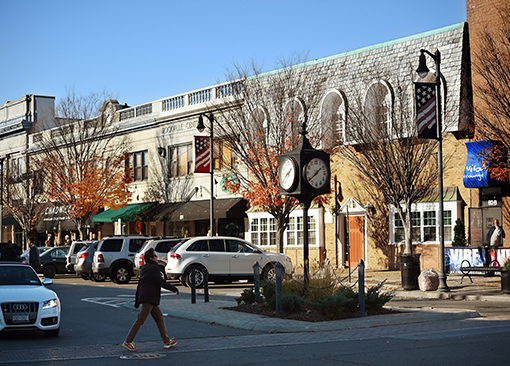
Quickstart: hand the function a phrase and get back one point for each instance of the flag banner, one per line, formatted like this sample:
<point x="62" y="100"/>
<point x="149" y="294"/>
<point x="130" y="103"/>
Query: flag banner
<point x="202" y="154"/>
<point x="426" y="110"/>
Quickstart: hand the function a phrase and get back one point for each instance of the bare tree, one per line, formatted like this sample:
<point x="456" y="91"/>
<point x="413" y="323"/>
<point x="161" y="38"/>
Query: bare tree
<point x="82" y="156"/>
<point x="383" y="147"/>
<point x="23" y="194"/>
<point x="261" y="122"/>
<point x="170" y="186"/>
<point x="492" y="87"/>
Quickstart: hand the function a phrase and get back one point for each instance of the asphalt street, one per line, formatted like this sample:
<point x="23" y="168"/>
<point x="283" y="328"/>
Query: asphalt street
<point x="96" y="318"/>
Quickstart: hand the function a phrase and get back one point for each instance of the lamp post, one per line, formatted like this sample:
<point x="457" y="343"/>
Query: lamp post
<point x="201" y="128"/>
<point x="422" y="71"/>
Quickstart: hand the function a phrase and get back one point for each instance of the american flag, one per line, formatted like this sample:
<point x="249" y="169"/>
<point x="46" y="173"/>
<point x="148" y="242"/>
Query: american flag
<point x="426" y="110"/>
<point x="202" y="156"/>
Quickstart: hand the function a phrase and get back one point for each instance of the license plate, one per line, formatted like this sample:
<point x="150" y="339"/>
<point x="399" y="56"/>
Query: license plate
<point x="20" y="318"/>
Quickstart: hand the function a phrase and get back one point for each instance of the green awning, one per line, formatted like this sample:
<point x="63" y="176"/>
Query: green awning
<point x="125" y="214"/>
<point x="9" y="220"/>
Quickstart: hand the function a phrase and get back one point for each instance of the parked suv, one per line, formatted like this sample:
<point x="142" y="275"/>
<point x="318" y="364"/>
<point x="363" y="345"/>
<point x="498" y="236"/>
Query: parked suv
<point x="226" y="259"/>
<point x="115" y="256"/>
<point x="72" y="256"/>
<point x="161" y="246"/>
<point x="83" y="266"/>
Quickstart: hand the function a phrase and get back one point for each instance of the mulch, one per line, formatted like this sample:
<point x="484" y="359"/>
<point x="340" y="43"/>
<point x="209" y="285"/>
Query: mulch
<point x="307" y="315"/>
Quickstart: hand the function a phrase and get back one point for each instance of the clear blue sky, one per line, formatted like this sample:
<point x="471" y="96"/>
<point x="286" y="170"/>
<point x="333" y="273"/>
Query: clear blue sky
<point x="148" y="49"/>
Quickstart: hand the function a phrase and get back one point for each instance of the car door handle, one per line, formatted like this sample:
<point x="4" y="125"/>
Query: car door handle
<point x="131" y="255"/>
<point x="206" y="255"/>
<point x="235" y="256"/>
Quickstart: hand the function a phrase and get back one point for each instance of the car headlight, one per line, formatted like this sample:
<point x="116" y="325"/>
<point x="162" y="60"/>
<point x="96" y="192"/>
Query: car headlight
<point x="50" y="304"/>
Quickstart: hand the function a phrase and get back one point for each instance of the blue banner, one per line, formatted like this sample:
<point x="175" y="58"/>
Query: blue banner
<point x="475" y="174"/>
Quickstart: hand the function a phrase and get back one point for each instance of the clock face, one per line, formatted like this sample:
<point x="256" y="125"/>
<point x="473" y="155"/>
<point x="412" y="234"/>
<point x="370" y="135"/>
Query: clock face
<point x="316" y="173"/>
<point x="288" y="174"/>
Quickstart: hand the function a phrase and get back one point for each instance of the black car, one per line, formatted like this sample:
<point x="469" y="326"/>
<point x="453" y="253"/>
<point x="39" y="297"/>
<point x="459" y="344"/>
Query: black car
<point x="53" y="260"/>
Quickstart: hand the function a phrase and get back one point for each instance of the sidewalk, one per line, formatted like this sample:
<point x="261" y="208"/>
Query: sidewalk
<point x="482" y="288"/>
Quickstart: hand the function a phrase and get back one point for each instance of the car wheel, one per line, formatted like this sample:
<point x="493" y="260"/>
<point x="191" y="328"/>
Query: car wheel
<point x="49" y="271"/>
<point x="269" y="273"/>
<point x="163" y="273"/>
<point x="52" y="333"/>
<point x="199" y="276"/>
<point x="97" y="277"/>
<point x="121" y="274"/>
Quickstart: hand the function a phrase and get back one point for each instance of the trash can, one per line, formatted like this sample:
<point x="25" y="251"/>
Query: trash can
<point x="410" y="270"/>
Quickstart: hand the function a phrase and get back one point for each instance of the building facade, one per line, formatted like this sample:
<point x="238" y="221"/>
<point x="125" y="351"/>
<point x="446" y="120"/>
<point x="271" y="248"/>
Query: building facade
<point x="161" y="160"/>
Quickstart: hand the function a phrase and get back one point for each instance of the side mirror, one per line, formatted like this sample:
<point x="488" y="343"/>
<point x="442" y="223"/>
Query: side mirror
<point x="47" y="282"/>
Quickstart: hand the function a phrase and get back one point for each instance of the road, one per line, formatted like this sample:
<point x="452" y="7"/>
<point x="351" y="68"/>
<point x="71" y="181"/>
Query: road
<point x="94" y="324"/>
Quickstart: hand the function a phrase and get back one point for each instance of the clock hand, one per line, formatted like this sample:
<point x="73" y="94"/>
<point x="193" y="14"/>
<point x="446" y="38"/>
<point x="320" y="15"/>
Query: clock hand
<point x="316" y="172"/>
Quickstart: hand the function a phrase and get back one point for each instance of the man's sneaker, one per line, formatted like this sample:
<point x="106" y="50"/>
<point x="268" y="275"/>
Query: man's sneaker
<point x="130" y="346"/>
<point x="171" y="343"/>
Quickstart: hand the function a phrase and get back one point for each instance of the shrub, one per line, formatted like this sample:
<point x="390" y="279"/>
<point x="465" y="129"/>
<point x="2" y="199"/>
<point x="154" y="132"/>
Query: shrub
<point x="375" y="299"/>
<point x="247" y="296"/>
<point x="269" y="293"/>
<point x="290" y="302"/>
<point x="332" y="306"/>
<point x="506" y="266"/>
<point x="459" y="236"/>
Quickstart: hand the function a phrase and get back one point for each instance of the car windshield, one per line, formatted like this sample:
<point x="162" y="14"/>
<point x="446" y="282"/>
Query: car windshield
<point x="18" y="275"/>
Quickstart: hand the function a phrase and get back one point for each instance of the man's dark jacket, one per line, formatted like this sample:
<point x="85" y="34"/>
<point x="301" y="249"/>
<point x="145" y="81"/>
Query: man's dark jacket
<point x="150" y="284"/>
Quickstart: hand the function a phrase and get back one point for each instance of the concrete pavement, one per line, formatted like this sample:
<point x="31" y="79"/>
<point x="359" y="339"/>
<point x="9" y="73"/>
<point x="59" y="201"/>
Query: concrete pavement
<point x="482" y="288"/>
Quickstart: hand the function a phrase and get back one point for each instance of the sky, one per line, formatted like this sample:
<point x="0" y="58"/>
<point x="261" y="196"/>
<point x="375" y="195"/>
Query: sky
<point x="141" y="51"/>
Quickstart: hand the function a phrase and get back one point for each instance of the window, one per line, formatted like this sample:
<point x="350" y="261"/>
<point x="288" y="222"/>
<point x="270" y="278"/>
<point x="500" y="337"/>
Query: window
<point x="447" y="219"/>
<point x="425" y="223"/>
<point x="399" y="228"/>
<point x="216" y="245"/>
<point x="293" y="118"/>
<point x="332" y="120"/>
<point x="416" y="226"/>
<point x="262" y="229"/>
<point x="16" y="169"/>
<point x="429" y="226"/>
<point x="377" y="108"/>
<point x="112" y="245"/>
<point x="136" y="244"/>
<point x="254" y="228"/>
<point x="138" y="165"/>
<point x="181" y="160"/>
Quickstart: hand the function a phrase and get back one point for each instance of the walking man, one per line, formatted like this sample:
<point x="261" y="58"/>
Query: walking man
<point x="148" y="293"/>
<point x="33" y="255"/>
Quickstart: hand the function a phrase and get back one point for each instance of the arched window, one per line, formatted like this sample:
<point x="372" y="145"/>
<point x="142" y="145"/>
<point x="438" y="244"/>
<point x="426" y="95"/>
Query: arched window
<point x="333" y="111"/>
<point x="377" y="108"/>
<point x="258" y="124"/>
<point x="293" y="117"/>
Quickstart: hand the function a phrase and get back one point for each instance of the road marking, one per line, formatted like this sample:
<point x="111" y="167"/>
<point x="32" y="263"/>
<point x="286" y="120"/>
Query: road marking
<point x="114" y="302"/>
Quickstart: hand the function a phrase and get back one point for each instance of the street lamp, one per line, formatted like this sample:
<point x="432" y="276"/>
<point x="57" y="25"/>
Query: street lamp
<point x="201" y="128"/>
<point x="423" y="71"/>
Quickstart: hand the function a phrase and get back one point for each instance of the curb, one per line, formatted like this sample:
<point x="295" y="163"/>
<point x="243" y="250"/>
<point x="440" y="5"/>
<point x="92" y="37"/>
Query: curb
<point x="212" y="313"/>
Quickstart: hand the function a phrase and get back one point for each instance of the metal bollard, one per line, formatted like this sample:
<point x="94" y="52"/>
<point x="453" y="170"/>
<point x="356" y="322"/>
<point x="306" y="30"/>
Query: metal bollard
<point x="206" y="285"/>
<point x="361" y="290"/>
<point x="193" y="288"/>
<point x="256" y="281"/>
<point x="278" y="285"/>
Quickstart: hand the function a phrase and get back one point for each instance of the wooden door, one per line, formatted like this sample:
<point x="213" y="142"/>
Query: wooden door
<point x="356" y="239"/>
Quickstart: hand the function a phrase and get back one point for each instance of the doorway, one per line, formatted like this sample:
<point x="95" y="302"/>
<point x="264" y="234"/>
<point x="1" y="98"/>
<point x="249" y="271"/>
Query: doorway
<point x="356" y="237"/>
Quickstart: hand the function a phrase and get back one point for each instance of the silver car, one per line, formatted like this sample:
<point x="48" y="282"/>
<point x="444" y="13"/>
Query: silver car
<point x="83" y="266"/>
<point x="76" y="246"/>
<point x="161" y="246"/>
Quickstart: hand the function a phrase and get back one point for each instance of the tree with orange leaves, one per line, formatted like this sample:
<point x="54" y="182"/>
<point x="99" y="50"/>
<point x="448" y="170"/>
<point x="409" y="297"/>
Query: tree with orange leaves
<point x="260" y="124"/>
<point x="82" y="158"/>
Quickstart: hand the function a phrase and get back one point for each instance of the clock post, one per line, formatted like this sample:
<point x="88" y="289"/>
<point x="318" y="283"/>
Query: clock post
<point x="305" y="173"/>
